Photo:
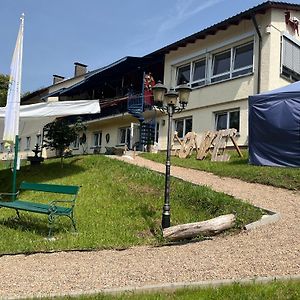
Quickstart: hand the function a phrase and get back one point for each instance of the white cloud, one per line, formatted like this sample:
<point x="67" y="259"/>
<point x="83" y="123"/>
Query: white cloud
<point x="180" y="12"/>
<point x="184" y="9"/>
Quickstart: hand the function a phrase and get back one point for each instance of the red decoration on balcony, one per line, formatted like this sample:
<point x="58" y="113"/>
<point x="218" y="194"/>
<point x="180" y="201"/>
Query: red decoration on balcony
<point x="293" y="22"/>
<point x="149" y="82"/>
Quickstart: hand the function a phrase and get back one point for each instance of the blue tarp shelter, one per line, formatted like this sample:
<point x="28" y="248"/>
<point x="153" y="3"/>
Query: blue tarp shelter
<point x="274" y="127"/>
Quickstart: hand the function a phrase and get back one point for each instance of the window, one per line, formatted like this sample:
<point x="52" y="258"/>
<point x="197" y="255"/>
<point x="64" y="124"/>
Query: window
<point x="75" y="144"/>
<point x="197" y="78"/>
<point x="124" y="136"/>
<point x="199" y="73"/>
<point x="38" y="139"/>
<point x="183" y="126"/>
<point x="231" y="63"/>
<point x="28" y="142"/>
<point x="221" y="66"/>
<point x="234" y="62"/>
<point x="227" y="119"/>
<point x="97" y="139"/>
<point x="1" y="147"/>
<point x="290" y="59"/>
<point x="242" y="60"/>
<point x="157" y="132"/>
<point x="183" y="74"/>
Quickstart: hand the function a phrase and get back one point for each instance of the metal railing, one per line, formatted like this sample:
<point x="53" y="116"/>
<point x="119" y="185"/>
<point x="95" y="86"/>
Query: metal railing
<point x="136" y="102"/>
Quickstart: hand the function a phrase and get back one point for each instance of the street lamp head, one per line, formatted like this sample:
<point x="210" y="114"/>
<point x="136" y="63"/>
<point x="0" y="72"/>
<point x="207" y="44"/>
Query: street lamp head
<point x="183" y="94"/>
<point x="171" y="97"/>
<point x="159" y="91"/>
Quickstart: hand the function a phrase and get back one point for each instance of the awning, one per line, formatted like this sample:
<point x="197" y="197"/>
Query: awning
<point x="34" y="117"/>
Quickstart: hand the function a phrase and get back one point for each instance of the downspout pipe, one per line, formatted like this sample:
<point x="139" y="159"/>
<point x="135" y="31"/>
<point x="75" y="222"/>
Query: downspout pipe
<point x="259" y="53"/>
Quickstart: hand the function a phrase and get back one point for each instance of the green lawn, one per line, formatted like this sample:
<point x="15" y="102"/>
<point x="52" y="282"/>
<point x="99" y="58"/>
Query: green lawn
<point x="271" y="291"/>
<point x="288" y="178"/>
<point x="119" y="205"/>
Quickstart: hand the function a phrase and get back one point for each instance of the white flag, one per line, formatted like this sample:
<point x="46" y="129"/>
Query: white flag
<point x="12" y="111"/>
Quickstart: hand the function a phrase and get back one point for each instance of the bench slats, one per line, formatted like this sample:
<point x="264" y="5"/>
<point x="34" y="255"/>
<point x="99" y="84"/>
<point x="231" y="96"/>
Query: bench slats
<point x="51" y="188"/>
<point x="35" y="207"/>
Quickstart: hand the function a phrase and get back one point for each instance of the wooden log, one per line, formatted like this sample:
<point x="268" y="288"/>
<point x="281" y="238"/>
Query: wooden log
<point x="207" y="228"/>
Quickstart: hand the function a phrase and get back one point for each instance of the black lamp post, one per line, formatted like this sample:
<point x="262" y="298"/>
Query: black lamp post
<point x="166" y="102"/>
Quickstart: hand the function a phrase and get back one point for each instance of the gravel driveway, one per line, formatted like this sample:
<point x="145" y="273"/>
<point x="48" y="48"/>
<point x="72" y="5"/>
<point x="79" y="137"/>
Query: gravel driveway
<point x="271" y="250"/>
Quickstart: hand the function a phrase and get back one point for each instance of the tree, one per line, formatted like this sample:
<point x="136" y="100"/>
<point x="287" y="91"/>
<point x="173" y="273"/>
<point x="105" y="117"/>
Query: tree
<point x="59" y="135"/>
<point x="4" y="82"/>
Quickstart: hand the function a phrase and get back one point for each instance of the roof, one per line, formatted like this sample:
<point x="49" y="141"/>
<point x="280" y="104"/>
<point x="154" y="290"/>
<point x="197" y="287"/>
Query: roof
<point x="122" y="65"/>
<point x="34" y="94"/>
<point x="223" y="25"/>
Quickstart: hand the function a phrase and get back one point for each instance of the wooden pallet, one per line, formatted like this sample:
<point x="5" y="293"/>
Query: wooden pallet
<point x="212" y="141"/>
<point x="187" y="145"/>
<point x="204" y="147"/>
<point x="220" y="144"/>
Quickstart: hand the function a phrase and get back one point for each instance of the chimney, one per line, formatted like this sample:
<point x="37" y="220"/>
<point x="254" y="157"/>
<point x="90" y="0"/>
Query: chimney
<point x="57" y="79"/>
<point x="80" y="69"/>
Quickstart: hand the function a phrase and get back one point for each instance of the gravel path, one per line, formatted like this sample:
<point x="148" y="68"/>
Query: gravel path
<point x="271" y="250"/>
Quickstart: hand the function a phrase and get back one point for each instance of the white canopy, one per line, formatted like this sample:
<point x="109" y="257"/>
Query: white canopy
<point x="34" y="117"/>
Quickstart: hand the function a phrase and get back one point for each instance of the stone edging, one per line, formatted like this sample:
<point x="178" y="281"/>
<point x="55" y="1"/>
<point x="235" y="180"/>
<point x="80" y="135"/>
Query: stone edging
<point x="165" y="287"/>
<point x="270" y="217"/>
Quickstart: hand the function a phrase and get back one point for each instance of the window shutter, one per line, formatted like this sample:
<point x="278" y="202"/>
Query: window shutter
<point x="291" y="55"/>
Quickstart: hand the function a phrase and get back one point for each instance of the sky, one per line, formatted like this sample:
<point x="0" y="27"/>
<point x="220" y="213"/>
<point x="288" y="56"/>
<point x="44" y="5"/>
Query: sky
<point x="58" y="33"/>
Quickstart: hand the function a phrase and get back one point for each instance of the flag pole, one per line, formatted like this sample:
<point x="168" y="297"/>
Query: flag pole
<point x="14" y="179"/>
<point x="12" y="109"/>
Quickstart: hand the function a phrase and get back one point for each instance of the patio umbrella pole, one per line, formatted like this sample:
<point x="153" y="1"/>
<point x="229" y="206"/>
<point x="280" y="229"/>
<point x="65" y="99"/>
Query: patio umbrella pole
<point x="14" y="179"/>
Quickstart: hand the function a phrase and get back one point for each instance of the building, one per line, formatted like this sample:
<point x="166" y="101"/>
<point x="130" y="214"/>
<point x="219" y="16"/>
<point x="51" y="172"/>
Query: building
<point x="254" y="51"/>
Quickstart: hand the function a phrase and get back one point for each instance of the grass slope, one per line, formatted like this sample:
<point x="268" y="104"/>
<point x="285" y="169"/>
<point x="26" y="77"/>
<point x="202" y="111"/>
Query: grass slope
<point x="288" y="178"/>
<point x="119" y="205"/>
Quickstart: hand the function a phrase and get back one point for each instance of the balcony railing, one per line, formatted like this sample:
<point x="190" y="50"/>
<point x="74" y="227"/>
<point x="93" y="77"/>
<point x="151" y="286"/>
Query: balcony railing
<point x="140" y="102"/>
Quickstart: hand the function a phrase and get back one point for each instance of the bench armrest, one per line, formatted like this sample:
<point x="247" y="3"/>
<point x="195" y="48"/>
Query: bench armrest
<point x="60" y="201"/>
<point x="53" y="207"/>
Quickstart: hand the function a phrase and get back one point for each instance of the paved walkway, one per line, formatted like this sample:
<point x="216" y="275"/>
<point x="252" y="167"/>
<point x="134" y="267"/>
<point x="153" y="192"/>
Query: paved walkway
<point x="271" y="250"/>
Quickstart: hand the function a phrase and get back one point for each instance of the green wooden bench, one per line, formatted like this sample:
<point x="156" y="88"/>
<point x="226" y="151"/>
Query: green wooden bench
<point x="53" y="209"/>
